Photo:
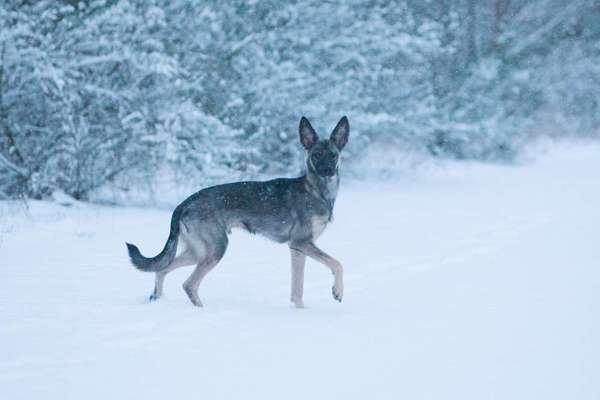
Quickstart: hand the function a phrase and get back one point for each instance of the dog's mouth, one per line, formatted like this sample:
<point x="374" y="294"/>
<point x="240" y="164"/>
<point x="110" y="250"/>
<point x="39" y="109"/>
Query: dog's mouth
<point x="327" y="173"/>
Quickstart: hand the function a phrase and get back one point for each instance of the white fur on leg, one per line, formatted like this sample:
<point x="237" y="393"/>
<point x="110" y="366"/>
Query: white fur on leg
<point x="298" y="263"/>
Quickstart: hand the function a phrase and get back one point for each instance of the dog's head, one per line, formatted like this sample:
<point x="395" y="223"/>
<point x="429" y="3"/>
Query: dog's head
<point x="323" y="156"/>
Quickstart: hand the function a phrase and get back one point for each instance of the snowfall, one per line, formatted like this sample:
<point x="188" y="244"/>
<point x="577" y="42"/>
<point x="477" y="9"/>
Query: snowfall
<point x="462" y="281"/>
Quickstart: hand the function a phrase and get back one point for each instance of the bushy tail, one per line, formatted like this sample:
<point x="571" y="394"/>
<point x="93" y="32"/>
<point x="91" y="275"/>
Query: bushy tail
<point x="165" y="257"/>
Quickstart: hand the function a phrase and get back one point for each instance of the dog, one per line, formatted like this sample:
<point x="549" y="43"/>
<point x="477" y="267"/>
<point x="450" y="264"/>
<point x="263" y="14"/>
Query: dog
<point x="294" y="211"/>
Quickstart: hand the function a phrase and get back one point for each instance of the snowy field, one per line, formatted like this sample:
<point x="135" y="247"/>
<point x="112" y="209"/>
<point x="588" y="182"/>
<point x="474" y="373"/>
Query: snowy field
<point x="464" y="281"/>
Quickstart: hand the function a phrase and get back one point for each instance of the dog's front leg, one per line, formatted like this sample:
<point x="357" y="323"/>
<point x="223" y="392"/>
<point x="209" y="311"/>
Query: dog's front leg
<point x="298" y="262"/>
<point x="311" y="250"/>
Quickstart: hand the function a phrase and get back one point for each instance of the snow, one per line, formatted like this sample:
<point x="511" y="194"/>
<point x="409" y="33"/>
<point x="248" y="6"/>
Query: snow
<point x="464" y="281"/>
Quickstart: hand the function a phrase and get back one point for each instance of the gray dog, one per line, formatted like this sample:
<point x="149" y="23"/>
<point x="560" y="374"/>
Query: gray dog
<point x="293" y="211"/>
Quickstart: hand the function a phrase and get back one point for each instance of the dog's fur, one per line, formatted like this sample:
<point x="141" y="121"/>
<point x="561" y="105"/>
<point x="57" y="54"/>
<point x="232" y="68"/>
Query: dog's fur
<point x="293" y="211"/>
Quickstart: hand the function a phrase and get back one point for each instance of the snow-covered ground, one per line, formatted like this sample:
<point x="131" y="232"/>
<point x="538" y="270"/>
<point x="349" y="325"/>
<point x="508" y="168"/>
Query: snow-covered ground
<point x="462" y="282"/>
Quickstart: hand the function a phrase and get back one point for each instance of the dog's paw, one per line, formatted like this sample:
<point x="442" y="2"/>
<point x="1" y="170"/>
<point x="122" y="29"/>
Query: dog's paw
<point x="153" y="297"/>
<point x="337" y="293"/>
<point x="193" y="296"/>
<point x="197" y="303"/>
<point x="298" y="303"/>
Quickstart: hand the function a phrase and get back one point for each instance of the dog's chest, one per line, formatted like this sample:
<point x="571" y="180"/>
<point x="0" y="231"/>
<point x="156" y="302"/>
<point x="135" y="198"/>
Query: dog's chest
<point x="318" y="225"/>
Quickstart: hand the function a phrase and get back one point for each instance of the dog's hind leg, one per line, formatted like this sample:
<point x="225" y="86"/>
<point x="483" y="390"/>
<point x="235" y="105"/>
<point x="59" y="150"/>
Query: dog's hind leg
<point x="298" y="262"/>
<point x="215" y="244"/>
<point x="184" y="259"/>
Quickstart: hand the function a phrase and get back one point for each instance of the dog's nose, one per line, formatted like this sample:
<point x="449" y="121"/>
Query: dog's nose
<point x="329" y="172"/>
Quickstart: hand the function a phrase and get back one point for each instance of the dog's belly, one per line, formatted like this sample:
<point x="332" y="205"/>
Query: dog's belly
<point x="276" y="229"/>
<point x="279" y="234"/>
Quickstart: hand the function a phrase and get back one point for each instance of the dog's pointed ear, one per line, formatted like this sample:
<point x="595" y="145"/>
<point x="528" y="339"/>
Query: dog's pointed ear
<point x="340" y="133"/>
<point x="308" y="136"/>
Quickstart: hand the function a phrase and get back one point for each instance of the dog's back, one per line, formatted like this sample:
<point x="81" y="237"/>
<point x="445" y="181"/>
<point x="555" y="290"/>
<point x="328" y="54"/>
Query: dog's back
<point x="276" y="209"/>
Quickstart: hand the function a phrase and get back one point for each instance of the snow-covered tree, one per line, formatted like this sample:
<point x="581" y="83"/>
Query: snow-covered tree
<point x="97" y="93"/>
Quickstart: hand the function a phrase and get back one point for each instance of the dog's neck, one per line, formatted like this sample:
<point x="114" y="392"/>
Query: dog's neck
<point x="324" y="188"/>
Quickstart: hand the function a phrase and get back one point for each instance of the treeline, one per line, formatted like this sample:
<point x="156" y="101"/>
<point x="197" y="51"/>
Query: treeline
<point x="105" y="92"/>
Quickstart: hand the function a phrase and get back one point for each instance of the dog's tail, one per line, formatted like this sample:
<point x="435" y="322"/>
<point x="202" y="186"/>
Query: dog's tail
<point x="165" y="257"/>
